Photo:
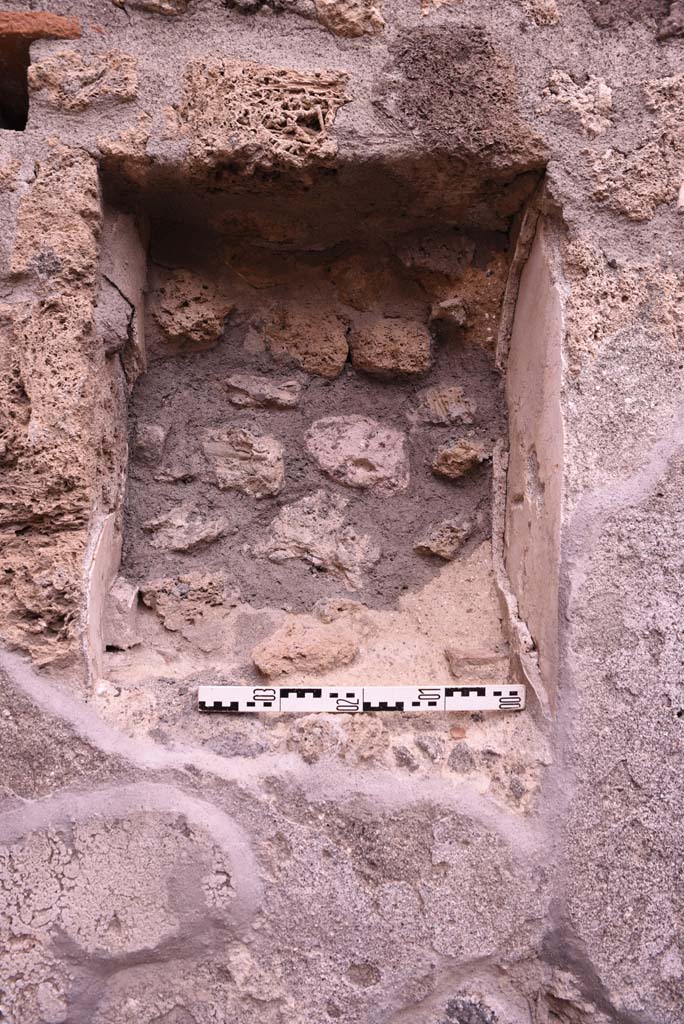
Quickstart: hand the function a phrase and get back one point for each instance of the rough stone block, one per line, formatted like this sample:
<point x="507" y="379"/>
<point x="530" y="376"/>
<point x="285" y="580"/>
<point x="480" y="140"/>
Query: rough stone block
<point x="249" y="390"/>
<point x="190" y="311"/>
<point x="72" y="82"/>
<point x="120" y="614"/>
<point x="312" y="339"/>
<point x="360" y="452"/>
<point x="314" y="530"/>
<point x="306" y="646"/>
<point x="184" y="528"/>
<point x="241" y="460"/>
<point x="445" y="539"/>
<point x="259" y="117"/>
<point x="392" y="348"/>
<point x="456" y="458"/>
<point x="444" y="405"/>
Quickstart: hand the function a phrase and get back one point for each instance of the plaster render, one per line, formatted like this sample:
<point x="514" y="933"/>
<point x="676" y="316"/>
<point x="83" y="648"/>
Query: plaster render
<point x="358" y="205"/>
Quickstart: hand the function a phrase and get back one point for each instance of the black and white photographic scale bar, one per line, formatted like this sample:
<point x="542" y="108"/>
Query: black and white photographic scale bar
<point x="356" y="699"/>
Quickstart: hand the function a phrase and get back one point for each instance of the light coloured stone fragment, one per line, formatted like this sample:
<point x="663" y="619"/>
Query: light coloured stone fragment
<point x="313" y="339"/>
<point x="189" y="311"/>
<point x="592" y="102"/>
<point x="241" y="460"/>
<point x="149" y="440"/>
<point x="184" y="528"/>
<point x="445" y="539"/>
<point x="444" y="405"/>
<point x="456" y="458"/>
<point x="360" y="452"/>
<point x="119" y="620"/>
<point x="249" y="390"/>
<point x="392" y="348"/>
<point x="70" y="81"/>
<point x="313" y="529"/>
<point x="350" y="18"/>
<point x="479" y="666"/>
<point x="306" y="645"/>
<point x="450" y="311"/>
<point x="170" y="8"/>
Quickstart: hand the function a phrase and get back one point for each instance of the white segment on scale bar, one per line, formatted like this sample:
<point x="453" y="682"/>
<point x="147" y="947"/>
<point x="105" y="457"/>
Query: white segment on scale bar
<point x="480" y="697"/>
<point x="347" y="699"/>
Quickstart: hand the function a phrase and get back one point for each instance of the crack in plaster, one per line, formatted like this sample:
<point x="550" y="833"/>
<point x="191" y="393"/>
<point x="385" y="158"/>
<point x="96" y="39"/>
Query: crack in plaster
<point x="70" y="806"/>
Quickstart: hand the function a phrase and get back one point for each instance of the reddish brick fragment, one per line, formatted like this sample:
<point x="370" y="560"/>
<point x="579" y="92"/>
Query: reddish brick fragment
<point x="29" y="25"/>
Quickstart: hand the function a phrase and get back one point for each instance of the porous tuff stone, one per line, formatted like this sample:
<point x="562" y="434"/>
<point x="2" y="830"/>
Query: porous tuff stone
<point x="360" y="452"/>
<point x="149" y="440"/>
<point x="70" y="81"/>
<point x="243" y="461"/>
<point x="314" y="340"/>
<point x="479" y="665"/>
<point x="184" y="528"/>
<point x="307" y="646"/>
<point x="456" y="458"/>
<point x="120" y="626"/>
<point x="63" y="454"/>
<point x="314" y="530"/>
<point x="456" y="85"/>
<point x="189" y="311"/>
<point x="249" y="390"/>
<point x="259" y="117"/>
<point x="445" y="539"/>
<point x="392" y="348"/>
<point x="444" y="405"/>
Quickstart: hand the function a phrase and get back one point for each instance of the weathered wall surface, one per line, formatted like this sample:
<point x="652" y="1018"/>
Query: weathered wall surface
<point x="178" y="871"/>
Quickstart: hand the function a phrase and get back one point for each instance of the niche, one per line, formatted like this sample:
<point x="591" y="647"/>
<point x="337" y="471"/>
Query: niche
<point x="316" y="483"/>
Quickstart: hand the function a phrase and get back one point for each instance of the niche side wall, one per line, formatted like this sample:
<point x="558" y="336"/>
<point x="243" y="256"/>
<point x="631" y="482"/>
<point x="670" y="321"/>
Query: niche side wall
<point x="535" y="467"/>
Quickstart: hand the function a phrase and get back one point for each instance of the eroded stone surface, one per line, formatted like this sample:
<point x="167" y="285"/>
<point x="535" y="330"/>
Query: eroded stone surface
<point x="444" y="405"/>
<point x="120" y="625"/>
<point x="249" y="390"/>
<point x="315" y="529"/>
<point x="360" y="452"/>
<point x="350" y="17"/>
<point x="69" y="81"/>
<point x="445" y="539"/>
<point x="244" y="461"/>
<point x="306" y="646"/>
<point x="487" y="666"/>
<point x="456" y="458"/>
<point x="392" y="348"/>
<point x="190" y="310"/>
<point x="184" y="528"/>
<point x="149" y="441"/>
<point x="314" y="339"/>
<point x="259" y="116"/>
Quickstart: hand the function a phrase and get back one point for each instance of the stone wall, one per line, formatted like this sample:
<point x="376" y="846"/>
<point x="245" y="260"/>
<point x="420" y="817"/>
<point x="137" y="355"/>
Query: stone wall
<point x="242" y="164"/>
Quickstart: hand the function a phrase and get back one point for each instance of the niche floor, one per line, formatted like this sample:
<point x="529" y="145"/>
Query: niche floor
<point x="309" y="496"/>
